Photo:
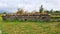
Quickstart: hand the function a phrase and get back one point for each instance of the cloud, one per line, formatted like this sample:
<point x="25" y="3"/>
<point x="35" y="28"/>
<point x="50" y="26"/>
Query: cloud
<point x="52" y="4"/>
<point x="12" y="5"/>
<point x="3" y="5"/>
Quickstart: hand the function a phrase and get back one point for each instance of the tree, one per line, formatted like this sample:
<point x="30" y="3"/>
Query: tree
<point x="56" y="11"/>
<point x="51" y="11"/>
<point x="4" y="13"/>
<point x="41" y="9"/>
<point x="47" y="11"/>
<point x="20" y="11"/>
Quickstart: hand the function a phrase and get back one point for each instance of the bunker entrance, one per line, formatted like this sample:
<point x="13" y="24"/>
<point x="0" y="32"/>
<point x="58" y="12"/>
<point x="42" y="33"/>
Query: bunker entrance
<point x="25" y="19"/>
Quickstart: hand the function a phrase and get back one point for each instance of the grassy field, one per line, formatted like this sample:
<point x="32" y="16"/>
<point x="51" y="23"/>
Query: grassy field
<point x="30" y="27"/>
<point x="7" y="27"/>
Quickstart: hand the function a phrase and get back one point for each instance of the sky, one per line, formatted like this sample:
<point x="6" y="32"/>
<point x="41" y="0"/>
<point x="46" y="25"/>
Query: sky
<point x="28" y="5"/>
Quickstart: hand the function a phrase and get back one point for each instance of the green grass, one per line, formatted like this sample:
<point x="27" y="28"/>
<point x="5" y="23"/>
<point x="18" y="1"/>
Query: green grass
<point x="30" y="27"/>
<point x="0" y="17"/>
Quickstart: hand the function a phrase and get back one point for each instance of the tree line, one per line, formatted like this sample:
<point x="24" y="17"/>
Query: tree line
<point x="41" y="9"/>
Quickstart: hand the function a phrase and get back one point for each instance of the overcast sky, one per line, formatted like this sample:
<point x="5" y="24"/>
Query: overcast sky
<point x="13" y="5"/>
